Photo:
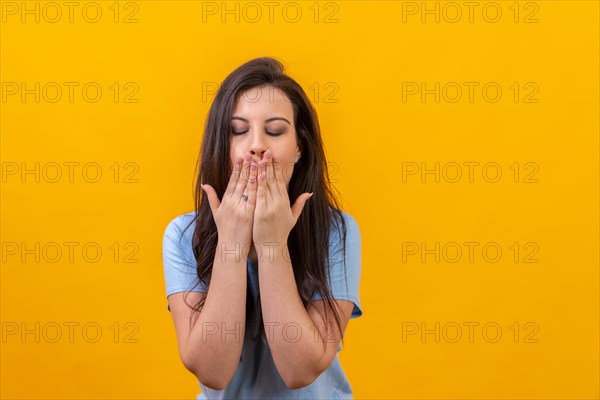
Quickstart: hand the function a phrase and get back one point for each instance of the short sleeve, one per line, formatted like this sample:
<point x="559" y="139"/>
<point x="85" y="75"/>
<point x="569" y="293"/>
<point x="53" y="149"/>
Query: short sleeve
<point x="345" y="286"/>
<point x="179" y="263"/>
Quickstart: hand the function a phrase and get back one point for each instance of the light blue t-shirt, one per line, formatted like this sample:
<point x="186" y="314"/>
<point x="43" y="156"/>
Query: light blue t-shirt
<point x="256" y="376"/>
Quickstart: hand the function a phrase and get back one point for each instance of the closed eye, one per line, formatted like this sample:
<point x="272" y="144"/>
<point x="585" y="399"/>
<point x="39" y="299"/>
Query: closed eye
<point x="268" y="133"/>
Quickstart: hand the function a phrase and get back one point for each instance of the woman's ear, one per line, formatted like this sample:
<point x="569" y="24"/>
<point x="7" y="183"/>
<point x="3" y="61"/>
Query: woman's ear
<point x="298" y="144"/>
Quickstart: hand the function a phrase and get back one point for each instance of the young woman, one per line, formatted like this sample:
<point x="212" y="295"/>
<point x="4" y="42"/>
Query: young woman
<point x="262" y="278"/>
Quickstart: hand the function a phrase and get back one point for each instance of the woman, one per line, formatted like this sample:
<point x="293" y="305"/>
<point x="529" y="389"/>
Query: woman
<point x="262" y="278"/>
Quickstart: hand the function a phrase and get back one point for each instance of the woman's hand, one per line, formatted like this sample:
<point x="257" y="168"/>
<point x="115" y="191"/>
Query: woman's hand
<point x="273" y="217"/>
<point x="233" y="215"/>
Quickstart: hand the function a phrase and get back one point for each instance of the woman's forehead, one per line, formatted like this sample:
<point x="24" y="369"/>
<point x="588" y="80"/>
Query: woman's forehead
<point x="266" y="99"/>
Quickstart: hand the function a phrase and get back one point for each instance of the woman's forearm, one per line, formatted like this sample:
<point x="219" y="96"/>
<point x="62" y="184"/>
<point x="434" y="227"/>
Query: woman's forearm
<point x="216" y="340"/>
<point x="296" y="345"/>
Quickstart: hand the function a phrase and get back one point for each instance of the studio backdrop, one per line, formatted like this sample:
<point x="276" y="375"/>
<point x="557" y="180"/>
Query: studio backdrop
<point x="462" y="137"/>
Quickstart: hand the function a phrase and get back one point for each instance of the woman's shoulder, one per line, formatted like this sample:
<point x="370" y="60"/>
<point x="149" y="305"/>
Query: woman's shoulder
<point x="181" y="225"/>
<point x="349" y="218"/>
<point x="183" y="218"/>
<point x="349" y="221"/>
<point x="336" y="233"/>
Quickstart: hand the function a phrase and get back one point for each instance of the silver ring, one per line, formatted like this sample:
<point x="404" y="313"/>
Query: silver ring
<point x="245" y="197"/>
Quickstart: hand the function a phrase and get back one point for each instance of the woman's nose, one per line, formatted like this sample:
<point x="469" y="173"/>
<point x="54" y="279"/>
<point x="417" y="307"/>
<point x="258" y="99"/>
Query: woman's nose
<point x="256" y="152"/>
<point x="257" y="147"/>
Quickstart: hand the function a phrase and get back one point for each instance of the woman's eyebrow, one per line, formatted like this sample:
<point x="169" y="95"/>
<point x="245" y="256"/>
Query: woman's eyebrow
<point x="266" y="120"/>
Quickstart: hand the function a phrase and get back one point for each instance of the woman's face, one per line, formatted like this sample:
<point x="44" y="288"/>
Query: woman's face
<point x="263" y="118"/>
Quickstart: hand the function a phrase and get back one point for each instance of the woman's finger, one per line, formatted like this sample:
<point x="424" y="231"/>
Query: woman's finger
<point x="252" y="185"/>
<point x="213" y="199"/>
<point x="237" y="167"/>
<point x="262" y="192"/>
<point x="271" y="181"/>
<point x="278" y="168"/>
<point x="243" y="179"/>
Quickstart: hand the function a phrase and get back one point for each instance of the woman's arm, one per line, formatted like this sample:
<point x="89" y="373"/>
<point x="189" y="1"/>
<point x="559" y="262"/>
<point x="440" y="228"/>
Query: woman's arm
<point x="301" y="345"/>
<point x="211" y="349"/>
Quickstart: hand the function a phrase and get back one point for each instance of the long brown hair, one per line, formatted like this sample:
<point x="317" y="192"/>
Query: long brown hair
<point x="308" y="242"/>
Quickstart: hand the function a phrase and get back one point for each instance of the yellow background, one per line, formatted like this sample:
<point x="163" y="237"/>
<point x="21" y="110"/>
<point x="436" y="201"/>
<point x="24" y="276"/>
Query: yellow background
<point x="361" y="61"/>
